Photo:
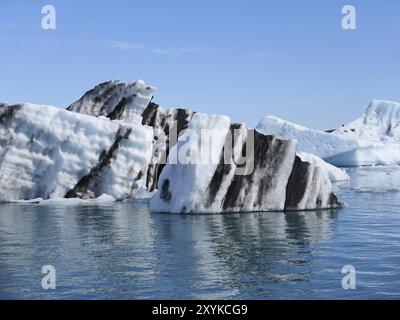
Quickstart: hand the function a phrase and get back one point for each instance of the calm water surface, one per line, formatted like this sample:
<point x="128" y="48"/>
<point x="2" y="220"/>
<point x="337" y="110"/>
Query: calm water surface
<point x="122" y="251"/>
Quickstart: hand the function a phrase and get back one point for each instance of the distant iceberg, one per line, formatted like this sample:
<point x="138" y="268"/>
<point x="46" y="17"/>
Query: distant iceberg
<point x="380" y="123"/>
<point x="373" y="139"/>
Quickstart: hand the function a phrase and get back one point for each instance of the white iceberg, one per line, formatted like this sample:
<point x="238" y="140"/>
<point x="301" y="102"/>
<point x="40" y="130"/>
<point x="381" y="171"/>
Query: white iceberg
<point x="167" y="125"/>
<point x="373" y="139"/>
<point x="335" y="174"/>
<point x="380" y="123"/>
<point x="103" y="199"/>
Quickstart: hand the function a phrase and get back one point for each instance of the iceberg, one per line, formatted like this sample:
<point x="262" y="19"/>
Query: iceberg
<point x="373" y="139"/>
<point x="277" y="180"/>
<point x="115" y="143"/>
<point x="47" y="153"/>
<point x="380" y="123"/>
<point x="132" y="102"/>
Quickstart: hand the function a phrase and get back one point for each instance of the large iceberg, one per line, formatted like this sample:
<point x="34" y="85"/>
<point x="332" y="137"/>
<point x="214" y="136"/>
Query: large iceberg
<point x="114" y="143"/>
<point x="132" y="102"/>
<point x="373" y="139"/>
<point x="273" y="178"/>
<point x="47" y="152"/>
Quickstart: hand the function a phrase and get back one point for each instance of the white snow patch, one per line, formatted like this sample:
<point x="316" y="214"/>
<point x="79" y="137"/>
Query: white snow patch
<point x="103" y="199"/>
<point x="380" y="123"/>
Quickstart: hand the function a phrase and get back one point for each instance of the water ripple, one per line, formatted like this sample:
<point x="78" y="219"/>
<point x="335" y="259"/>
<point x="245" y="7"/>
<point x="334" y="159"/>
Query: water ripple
<point x="122" y="251"/>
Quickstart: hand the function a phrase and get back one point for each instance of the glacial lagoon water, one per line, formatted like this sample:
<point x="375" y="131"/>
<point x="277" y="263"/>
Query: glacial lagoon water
<point x="122" y="251"/>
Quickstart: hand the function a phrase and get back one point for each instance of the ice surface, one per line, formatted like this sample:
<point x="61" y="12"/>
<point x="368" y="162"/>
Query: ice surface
<point x="167" y="125"/>
<point x="132" y="102"/>
<point x="102" y="199"/>
<point x="47" y="152"/>
<point x="291" y="131"/>
<point x="312" y="141"/>
<point x="186" y="184"/>
<point x="380" y="123"/>
<point x="335" y="174"/>
<point x="280" y="180"/>
<point x="373" y="139"/>
<point x="115" y="100"/>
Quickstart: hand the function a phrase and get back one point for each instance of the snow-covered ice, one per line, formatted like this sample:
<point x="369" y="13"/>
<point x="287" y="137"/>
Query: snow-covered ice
<point x="380" y="123"/>
<point x="102" y="199"/>
<point x="373" y="139"/>
<point x="47" y="152"/>
<point x="279" y="181"/>
<point x="335" y="174"/>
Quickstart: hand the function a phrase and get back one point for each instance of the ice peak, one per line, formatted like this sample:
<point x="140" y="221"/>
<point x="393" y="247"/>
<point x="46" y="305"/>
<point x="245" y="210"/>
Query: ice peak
<point x="115" y="99"/>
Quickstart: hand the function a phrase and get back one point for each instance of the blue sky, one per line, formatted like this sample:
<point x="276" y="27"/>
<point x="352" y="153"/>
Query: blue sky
<point x="245" y="59"/>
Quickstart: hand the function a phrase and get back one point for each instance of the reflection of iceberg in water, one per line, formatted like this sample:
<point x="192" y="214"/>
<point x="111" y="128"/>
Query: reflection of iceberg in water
<point x="310" y="227"/>
<point x="232" y="253"/>
<point x="124" y="258"/>
<point x="96" y="250"/>
<point x="121" y="250"/>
